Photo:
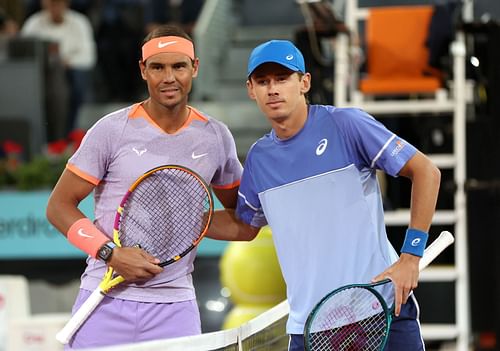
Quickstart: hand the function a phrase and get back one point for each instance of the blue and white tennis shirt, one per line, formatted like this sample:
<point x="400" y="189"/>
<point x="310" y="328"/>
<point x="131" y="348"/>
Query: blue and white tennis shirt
<point x="319" y="193"/>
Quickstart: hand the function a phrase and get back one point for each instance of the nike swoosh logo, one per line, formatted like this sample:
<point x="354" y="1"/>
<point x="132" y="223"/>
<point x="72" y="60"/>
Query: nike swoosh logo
<point x="162" y="45"/>
<point x="194" y="157"/>
<point x="81" y="233"/>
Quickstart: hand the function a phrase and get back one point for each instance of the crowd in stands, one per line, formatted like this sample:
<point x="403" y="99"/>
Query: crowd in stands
<point x="96" y="42"/>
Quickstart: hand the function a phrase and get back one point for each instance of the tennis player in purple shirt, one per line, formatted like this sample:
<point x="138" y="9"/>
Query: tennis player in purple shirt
<point x="153" y="303"/>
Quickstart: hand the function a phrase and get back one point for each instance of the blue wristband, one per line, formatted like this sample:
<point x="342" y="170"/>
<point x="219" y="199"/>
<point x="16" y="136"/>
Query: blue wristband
<point x="415" y="242"/>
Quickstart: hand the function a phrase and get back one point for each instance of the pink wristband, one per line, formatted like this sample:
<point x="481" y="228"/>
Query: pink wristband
<point x="85" y="236"/>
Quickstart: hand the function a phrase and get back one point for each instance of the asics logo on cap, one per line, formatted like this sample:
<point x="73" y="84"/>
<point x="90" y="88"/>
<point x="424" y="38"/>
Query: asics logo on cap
<point x="289" y="57"/>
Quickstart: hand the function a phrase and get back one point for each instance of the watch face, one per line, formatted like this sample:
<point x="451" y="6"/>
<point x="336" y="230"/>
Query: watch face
<point x="105" y="252"/>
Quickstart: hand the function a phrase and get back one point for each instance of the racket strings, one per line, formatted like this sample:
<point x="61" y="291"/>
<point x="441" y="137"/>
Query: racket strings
<point x="352" y="319"/>
<point x="166" y="213"/>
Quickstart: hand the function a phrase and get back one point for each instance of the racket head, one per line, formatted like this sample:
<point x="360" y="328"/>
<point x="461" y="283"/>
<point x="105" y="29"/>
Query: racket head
<point x="166" y="211"/>
<point x="352" y="317"/>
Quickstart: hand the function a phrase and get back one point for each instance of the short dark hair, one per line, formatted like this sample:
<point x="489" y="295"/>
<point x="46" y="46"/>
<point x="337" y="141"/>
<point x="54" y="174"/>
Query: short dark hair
<point x="167" y="30"/>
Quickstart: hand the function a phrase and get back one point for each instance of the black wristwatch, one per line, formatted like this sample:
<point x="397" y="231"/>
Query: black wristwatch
<point x="106" y="251"/>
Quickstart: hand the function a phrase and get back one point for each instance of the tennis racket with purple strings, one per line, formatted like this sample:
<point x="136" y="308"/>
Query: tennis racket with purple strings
<point x="166" y="212"/>
<point x="358" y="317"/>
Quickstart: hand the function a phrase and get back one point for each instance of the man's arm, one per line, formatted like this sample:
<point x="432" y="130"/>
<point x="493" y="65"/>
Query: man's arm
<point x="227" y="197"/>
<point x="62" y="211"/>
<point x="425" y="178"/>
<point x="226" y="226"/>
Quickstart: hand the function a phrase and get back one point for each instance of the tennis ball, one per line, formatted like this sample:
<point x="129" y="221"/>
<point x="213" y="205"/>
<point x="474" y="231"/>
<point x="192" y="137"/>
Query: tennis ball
<point x="240" y="314"/>
<point x="251" y="272"/>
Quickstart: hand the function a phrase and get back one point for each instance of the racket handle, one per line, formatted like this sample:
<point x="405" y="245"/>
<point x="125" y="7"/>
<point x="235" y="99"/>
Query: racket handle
<point x="444" y="240"/>
<point x="66" y="333"/>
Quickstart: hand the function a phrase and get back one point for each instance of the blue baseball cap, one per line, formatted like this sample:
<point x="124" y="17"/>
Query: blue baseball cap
<point x="282" y="52"/>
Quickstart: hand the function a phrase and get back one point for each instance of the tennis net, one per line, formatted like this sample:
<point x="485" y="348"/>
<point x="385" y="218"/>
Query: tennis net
<point x="265" y="332"/>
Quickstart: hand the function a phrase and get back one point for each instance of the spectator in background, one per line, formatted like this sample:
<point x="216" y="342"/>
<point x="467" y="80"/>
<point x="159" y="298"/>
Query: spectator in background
<point x="14" y="12"/>
<point x="10" y="17"/>
<point x="72" y="36"/>
<point x="8" y="27"/>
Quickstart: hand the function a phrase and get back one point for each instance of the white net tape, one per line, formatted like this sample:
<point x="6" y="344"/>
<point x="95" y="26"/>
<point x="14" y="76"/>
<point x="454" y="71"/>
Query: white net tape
<point x="265" y="332"/>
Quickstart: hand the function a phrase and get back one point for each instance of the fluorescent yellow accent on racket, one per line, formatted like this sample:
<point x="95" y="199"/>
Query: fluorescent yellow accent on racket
<point x="116" y="237"/>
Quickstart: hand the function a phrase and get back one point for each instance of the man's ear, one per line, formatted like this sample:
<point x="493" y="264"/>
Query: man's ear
<point x="306" y="83"/>
<point x="196" y="66"/>
<point x="142" y="67"/>
<point x="250" y="91"/>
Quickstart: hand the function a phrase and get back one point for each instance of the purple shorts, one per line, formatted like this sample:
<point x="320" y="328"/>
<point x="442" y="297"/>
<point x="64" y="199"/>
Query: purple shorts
<point x="117" y="321"/>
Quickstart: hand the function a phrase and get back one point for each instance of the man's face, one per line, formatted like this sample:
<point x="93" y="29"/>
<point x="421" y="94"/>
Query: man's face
<point x="169" y="77"/>
<point x="277" y="90"/>
<point x="56" y="9"/>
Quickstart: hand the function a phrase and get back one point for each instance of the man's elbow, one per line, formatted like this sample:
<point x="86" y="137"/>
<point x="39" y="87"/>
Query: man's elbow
<point x="435" y="175"/>
<point x="51" y="211"/>
<point x="248" y="232"/>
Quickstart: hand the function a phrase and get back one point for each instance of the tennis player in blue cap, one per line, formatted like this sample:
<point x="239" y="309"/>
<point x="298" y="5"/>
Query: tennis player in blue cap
<point x="313" y="180"/>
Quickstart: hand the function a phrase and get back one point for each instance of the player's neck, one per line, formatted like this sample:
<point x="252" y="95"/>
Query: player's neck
<point x="287" y="126"/>
<point x="168" y="118"/>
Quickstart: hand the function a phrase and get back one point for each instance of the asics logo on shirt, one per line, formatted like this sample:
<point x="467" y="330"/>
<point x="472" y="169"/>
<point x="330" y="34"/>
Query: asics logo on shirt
<point x="321" y="147"/>
<point x="139" y="152"/>
<point x="82" y="233"/>
<point x="194" y="156"/>
<point x="162" y="45"/>
<point x="415" y="242"/>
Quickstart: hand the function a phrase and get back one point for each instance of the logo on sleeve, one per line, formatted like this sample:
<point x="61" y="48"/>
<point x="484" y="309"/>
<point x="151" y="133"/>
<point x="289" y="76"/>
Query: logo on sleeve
<point x="321" y="147"/>
<point x="399" y="146"/>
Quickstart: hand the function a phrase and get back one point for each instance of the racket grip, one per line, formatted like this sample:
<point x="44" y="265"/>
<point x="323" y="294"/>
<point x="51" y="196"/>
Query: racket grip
<point x="444" y="240"/>
<point x="66" y="333"/>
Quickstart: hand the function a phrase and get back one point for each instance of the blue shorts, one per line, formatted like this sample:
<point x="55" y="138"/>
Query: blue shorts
<point x="117" y="321"/>
<point x="405" y="333"/>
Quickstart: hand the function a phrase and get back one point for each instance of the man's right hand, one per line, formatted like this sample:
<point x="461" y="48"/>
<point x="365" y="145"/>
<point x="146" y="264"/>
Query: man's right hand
<point x="134" y="264"/>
